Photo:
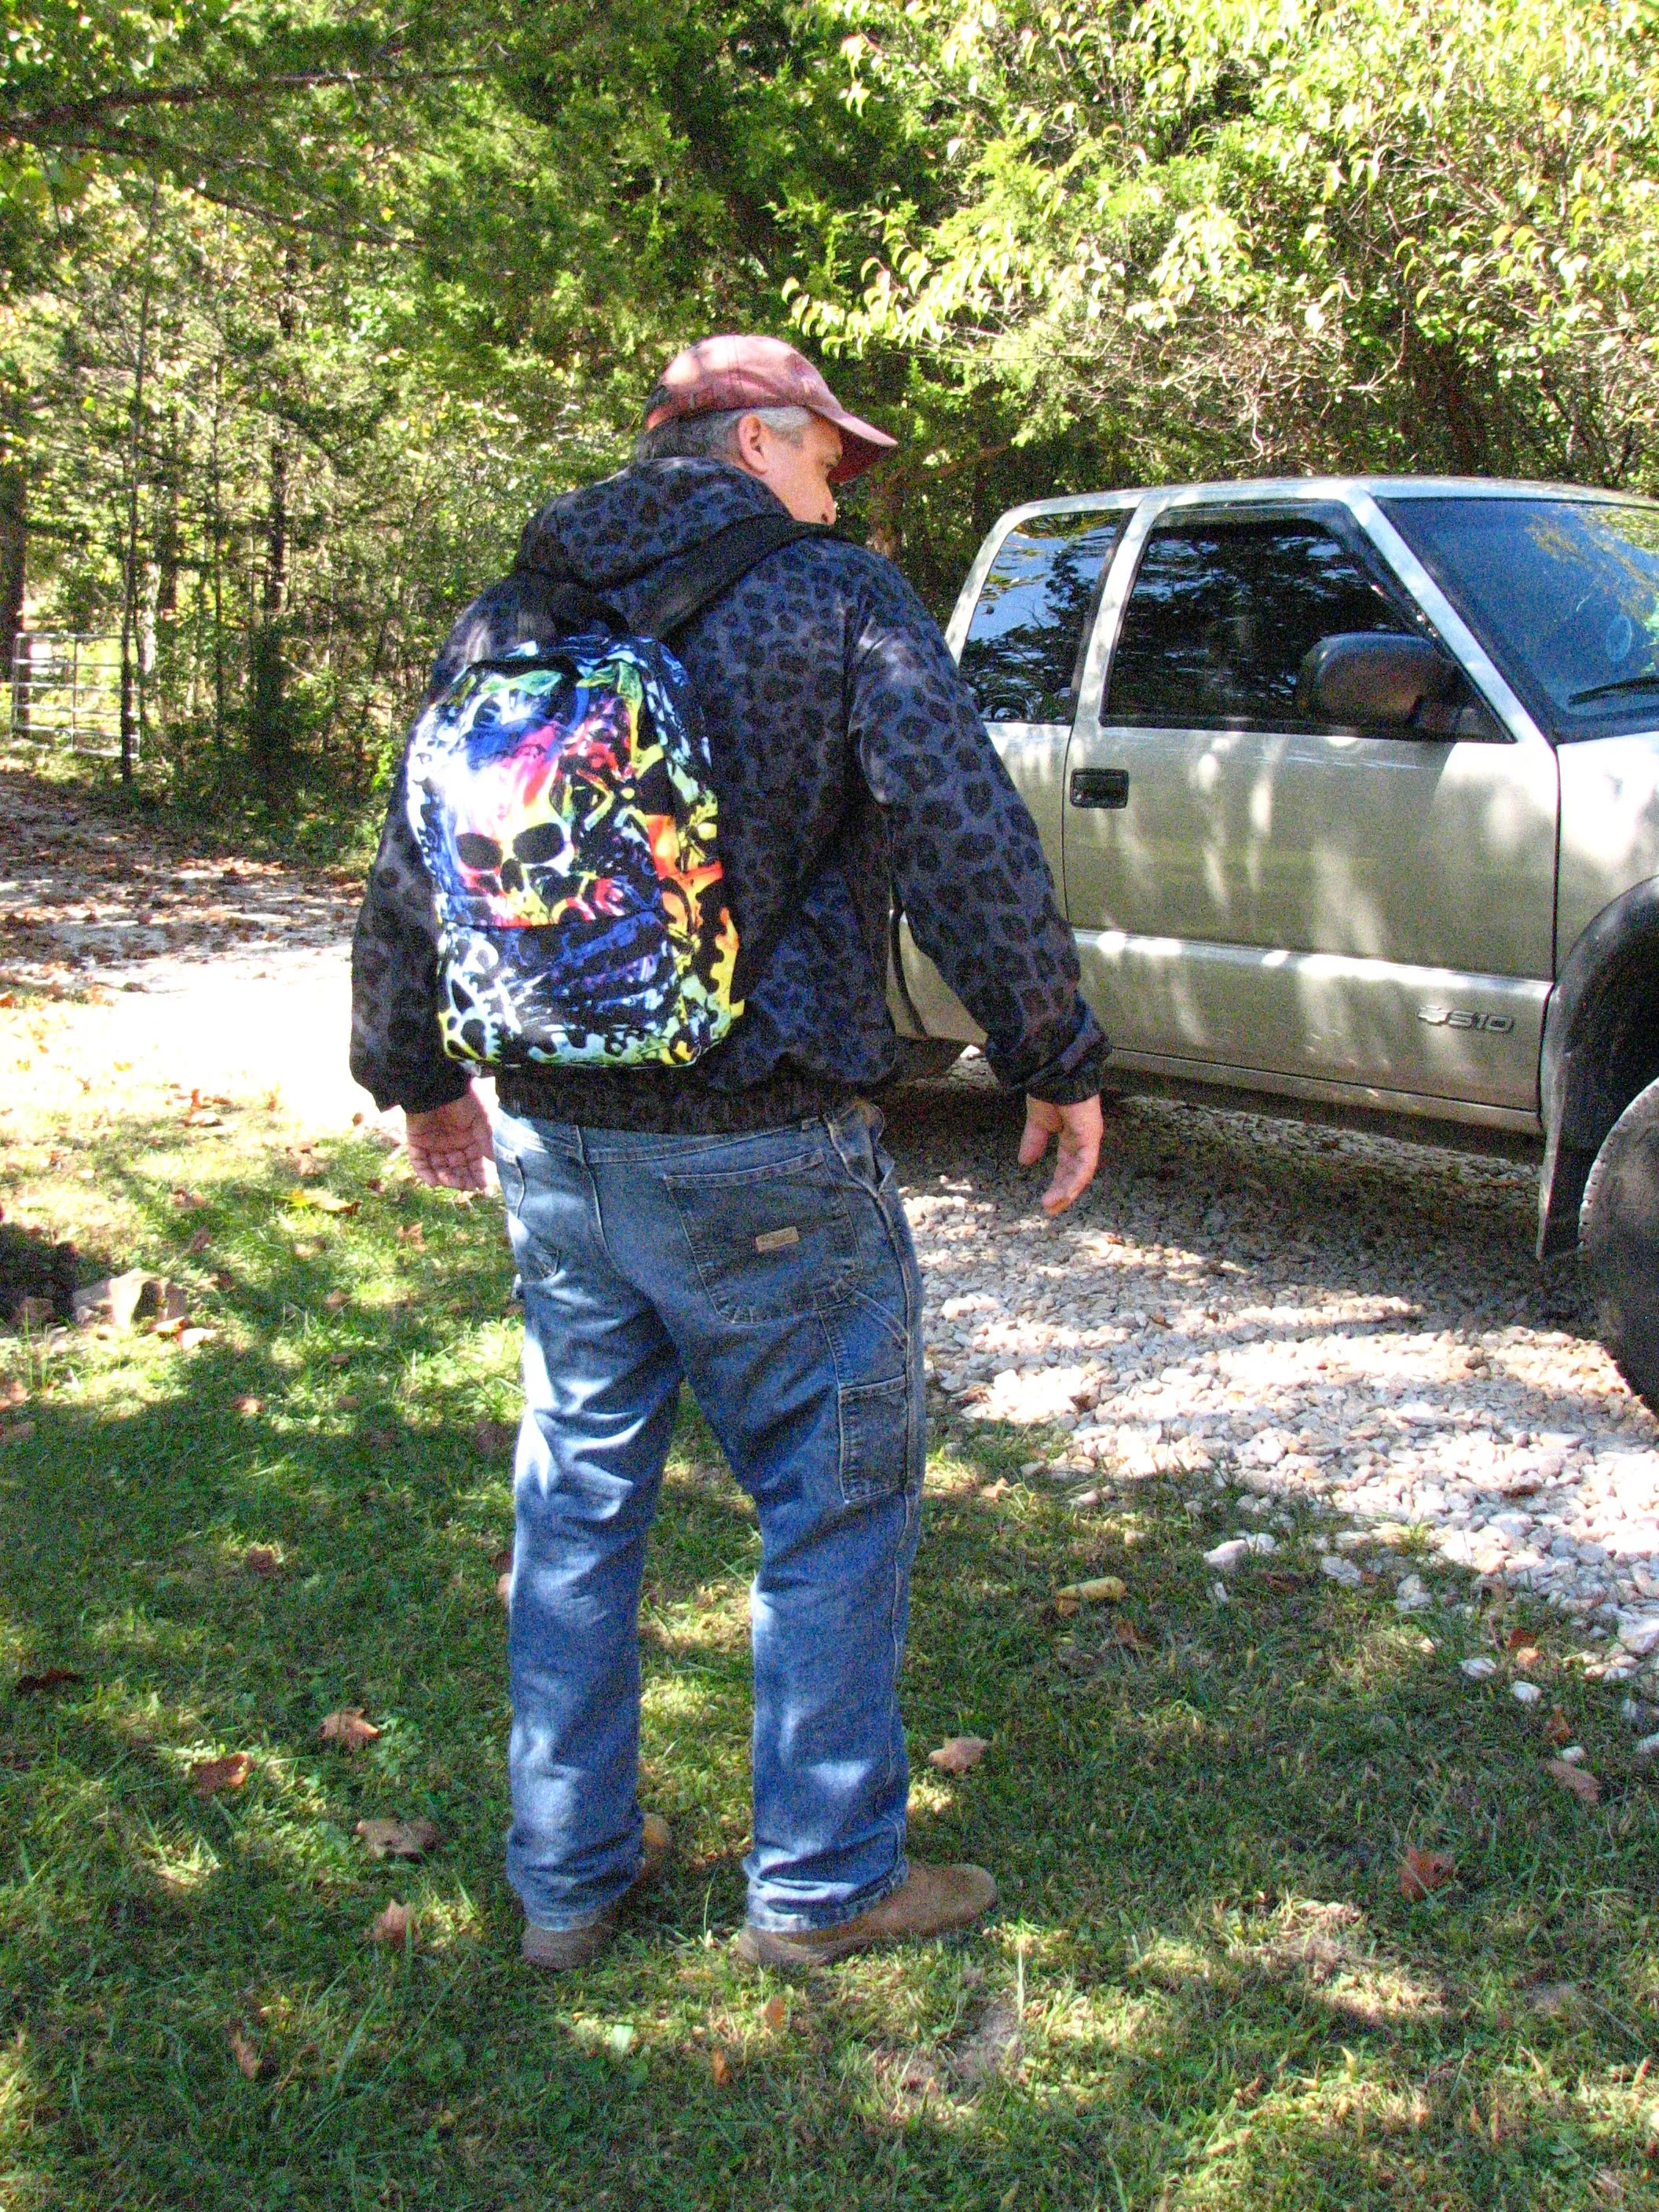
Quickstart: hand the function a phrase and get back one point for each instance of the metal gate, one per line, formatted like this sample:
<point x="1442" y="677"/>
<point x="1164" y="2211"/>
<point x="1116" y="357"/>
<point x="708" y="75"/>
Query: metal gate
<point x="66" y="691"/>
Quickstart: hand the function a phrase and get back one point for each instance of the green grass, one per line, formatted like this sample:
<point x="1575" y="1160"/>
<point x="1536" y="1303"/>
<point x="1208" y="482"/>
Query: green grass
<point x="1226" y="2002"/>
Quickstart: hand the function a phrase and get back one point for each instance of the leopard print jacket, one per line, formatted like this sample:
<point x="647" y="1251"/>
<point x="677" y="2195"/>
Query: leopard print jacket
<point x="849" y="759"/>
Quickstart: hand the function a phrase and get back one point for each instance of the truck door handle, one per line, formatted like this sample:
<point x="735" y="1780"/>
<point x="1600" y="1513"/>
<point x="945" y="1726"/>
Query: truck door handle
<point x="1100" y="786"/>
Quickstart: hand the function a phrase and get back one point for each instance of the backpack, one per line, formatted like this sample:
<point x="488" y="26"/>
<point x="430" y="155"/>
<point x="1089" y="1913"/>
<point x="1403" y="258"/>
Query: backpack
<point x="560" y="795"/>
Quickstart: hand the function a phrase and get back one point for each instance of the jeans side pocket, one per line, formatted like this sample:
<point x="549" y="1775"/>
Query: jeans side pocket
<point x="876" y="1439"/>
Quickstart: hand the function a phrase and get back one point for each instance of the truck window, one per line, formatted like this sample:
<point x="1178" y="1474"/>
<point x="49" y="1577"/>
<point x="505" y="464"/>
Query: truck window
<point x="1027" y="640"/>
<point x="1221" y="613"/>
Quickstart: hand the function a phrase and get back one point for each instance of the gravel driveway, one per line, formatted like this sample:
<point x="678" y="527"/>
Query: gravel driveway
<point x="1302" y="1313"/>
<point x="1286" y="1308"/>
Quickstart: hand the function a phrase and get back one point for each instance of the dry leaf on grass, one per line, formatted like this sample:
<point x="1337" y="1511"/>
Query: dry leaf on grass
<point x="775" y="2013"/>
<point x="492" y="1437"/>
<point x="348" y="1728"/>
<point x="1109" y="1588"/>
<point x="263" y="1559"/>
<point x="720" y="2067"/>
<point x="399" y="1839"/>
<point x="52" y="1678"/>
<point x="397" y="1925"/>
<point x="1557" y="1728"/>
<point x="200" y="1241"/>
<point x="190" y="1337"/>
<point x="322" y="1201"/>
<point x="1422" y="1872"/>
<point x="334" y="1301"/>
<point x="208" y="1777"/>
<point x="247" y="1405"/>
<point x="1579" y="1779"/>
<point x="958" y="1753"/>
<point x="1125" y="1632"/>
<point x="249" y="2064"/>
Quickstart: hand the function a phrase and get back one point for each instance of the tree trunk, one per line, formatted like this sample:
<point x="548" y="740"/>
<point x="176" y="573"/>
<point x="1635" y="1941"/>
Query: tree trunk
<point x="270" y="734"/>
<point x="132" y="696"/>
<point x="13" y="575"/>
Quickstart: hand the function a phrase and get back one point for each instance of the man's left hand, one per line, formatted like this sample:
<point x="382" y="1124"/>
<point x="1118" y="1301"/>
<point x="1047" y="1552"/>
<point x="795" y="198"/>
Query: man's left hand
<point x="448" y="1146"/>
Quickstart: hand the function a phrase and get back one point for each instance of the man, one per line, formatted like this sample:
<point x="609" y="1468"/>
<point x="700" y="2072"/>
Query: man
<point x="736" y="1223"/>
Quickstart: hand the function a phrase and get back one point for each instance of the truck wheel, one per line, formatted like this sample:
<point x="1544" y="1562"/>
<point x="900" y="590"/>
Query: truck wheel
<point x="1618" y="1237"/>
<point x="919" y="1057"/>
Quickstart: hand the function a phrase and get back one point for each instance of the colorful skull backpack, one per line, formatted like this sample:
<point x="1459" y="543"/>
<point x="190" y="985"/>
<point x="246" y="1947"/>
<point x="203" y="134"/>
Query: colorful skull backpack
<point x="561" y="798"/>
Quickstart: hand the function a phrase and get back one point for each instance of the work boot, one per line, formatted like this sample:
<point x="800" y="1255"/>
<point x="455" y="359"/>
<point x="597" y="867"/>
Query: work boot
<point x="932" y="1901"/>
<point x="555" y="1950"/>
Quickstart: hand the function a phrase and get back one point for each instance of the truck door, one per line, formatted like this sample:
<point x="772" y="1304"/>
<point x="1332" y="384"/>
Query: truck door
<point x="1021" y="632"/>
<point x="1257" y="897"/>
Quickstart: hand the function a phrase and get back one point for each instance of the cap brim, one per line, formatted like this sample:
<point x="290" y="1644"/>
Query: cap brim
<point x="861" y="445"/>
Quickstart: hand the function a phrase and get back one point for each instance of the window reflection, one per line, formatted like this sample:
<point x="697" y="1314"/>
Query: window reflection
<point x="1563" y="593"/>
<point x="1026" y="641"/>
<point x="1223" y="614"/>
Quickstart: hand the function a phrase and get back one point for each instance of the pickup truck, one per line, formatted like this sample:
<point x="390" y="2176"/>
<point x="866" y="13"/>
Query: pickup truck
<point x="1351" y="789"/>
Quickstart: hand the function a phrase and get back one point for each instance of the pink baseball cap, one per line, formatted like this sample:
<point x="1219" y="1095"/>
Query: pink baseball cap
<point x="718" y="373"/>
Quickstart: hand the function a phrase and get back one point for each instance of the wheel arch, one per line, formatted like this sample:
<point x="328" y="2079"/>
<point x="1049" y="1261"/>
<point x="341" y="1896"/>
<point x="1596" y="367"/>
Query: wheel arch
<point x="1600" y="1047"/>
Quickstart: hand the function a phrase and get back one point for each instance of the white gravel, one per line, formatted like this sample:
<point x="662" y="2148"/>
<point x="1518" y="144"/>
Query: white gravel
<point x="1295" y="1316"/>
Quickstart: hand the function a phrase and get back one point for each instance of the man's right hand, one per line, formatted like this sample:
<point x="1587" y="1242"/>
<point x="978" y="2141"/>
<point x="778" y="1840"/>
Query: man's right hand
<point x="448" y="1146"/>
<point x="1078" y="1129"/>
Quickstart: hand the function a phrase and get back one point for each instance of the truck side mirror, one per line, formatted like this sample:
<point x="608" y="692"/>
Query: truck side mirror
<point x="1378" y="679"/>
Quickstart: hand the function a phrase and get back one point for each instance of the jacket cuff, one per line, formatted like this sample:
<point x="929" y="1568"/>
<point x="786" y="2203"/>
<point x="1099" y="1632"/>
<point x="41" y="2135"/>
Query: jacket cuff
<point x="441" y="1088"/>
<point x="1073" y="1075"/>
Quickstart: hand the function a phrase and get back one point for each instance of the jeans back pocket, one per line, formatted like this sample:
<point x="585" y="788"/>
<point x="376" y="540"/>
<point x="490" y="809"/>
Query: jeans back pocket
<point x="770" y="1244"/>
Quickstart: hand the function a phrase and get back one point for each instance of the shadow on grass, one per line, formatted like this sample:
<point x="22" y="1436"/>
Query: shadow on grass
<point x="1203" y="1987"/>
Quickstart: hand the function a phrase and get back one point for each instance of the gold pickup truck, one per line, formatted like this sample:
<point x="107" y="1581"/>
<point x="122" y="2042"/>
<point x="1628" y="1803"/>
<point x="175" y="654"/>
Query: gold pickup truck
<point x="1352" y="786"/>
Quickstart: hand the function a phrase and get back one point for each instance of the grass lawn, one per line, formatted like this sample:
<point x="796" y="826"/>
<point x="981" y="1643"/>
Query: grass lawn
<point x="1204" y="1987"/>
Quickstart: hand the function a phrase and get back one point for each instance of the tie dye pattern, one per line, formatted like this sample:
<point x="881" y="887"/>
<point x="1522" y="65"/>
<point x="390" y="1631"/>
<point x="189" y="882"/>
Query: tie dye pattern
<point x="566" y="817"/>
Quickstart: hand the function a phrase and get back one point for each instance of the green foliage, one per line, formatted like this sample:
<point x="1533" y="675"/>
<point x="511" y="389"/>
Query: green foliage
<point x="304" y="304"/>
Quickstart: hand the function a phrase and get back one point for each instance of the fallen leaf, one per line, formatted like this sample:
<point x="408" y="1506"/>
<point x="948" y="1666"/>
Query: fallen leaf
<point x="248" y="1405"/>
<point x="322" y="1201"/>
<point x="720" y="2067"/>
<point x="348" y="1728"/>
<point x="189" y="1199"/>
<point x="492" y="1437"/>
<point x="16" y="1391"/>
<point x="504" y="1585"/>
<point x="1517" y="1638"/>
<point x="1557" y="1728"/>
<point x="775" y="2013"/>
<point x="1524" y="1655"/>
<point x="200" y="1241"/>
<point x="52" y="1678"/>
<point x="1126" y="1633"/>
<point x="414" y="1236"/>
<point x="173" y="1328"/>
<point x="399" y="1839"/>
<point x="1064" y="1607"/>
<point x="958" y="1753"/>
<point x="208" y="1777"/>
<point x="1422" y="1872"/>
<point x="339" y="1359"/>
<point x="502" y="1561"/>
<point x="1579" y="1779"/>
<point x="1108" y="1587"/>
<point x="398" y="1925"/>
<point x="249" y="2063"/>
<point x="190" y="1337"/>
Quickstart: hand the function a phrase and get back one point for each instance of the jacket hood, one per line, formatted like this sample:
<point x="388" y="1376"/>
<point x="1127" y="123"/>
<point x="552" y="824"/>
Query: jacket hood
<point x="610" y="533"/>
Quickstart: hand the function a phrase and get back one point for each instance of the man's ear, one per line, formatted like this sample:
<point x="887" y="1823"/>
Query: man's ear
<point x="749" y="437"/>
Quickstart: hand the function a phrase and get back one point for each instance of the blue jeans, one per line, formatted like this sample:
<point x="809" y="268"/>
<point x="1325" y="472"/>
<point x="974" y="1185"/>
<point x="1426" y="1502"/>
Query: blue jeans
<point x="774" y="1272"/>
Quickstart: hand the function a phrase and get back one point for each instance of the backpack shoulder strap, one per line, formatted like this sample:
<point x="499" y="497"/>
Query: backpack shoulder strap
<point x="689" y="584"/>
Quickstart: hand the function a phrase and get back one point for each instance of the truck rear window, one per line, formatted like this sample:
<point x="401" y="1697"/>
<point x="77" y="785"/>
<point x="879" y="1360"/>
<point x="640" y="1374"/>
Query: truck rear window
<point x="1026" y="641"/>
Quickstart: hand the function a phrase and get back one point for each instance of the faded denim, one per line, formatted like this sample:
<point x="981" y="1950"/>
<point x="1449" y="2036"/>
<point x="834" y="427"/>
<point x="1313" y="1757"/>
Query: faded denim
<point x="775" y="1272"/>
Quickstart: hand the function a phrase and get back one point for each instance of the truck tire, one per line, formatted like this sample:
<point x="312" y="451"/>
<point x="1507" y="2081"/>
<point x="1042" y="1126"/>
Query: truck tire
<point x="1619" y="1238"/>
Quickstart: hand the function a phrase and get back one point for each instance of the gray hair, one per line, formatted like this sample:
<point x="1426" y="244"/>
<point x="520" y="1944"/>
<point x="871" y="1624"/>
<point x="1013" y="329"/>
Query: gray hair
<point x="713" y="436"/>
